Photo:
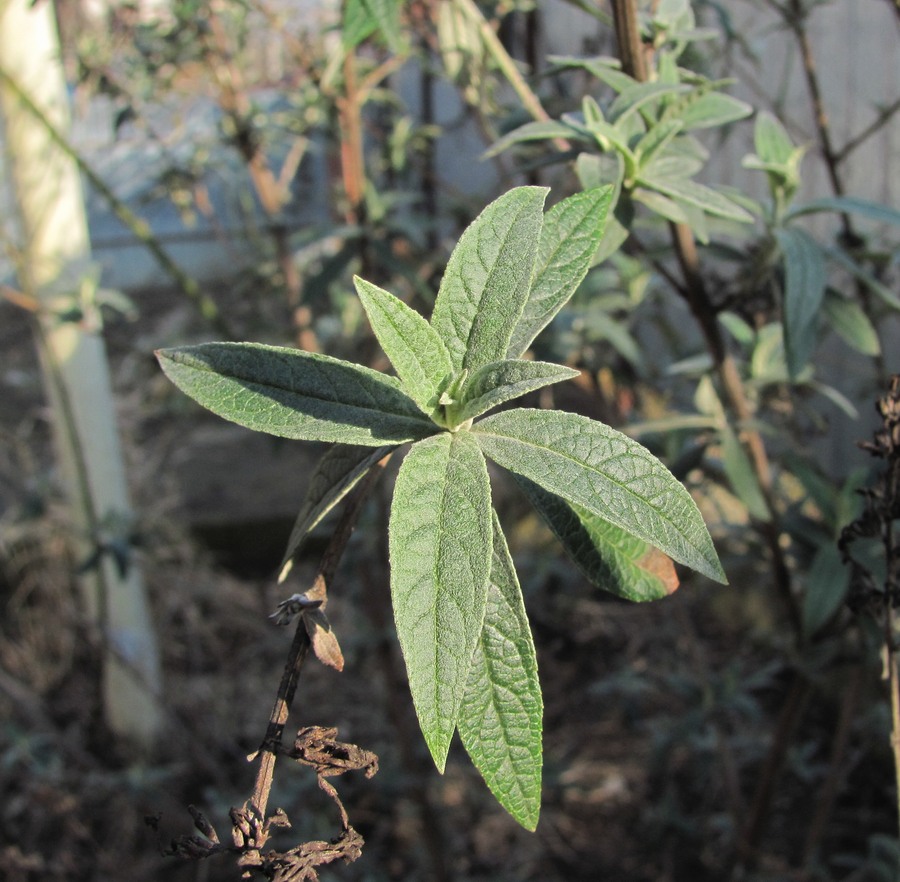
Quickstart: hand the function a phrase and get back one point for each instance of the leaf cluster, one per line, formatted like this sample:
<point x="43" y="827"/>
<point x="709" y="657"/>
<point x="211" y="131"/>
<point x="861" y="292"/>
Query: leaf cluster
<point x="460" y="618"/>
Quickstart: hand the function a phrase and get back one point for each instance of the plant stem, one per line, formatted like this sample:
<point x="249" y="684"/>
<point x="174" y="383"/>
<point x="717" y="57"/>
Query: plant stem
<point x="508" y="67"/>
<point x="271" y="744"/>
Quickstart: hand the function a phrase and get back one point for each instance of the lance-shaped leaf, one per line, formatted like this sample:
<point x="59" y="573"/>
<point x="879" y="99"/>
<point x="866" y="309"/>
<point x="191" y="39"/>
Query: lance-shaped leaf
<point x="804" y="289"/>
<point x="609" y="557"/>
<point x="413" y="346"/>
<point x="295" y="394"/>
<point x="501" y="713"/>
<point x="335" y="475"/>
<point x="697" y="195"/>
<point x="609" y="474"/>
<point x="504" y="380"/>
<point x="440" y="551"/>
<point x="570" y="237"/>
<point x="487" y="279"/>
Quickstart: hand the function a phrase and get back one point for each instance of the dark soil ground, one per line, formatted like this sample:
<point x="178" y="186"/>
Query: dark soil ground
<point x="658" y="719"/>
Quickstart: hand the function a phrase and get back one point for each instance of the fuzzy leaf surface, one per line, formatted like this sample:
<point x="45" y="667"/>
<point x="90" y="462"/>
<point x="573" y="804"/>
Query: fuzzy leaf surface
<point x="504" y="380"/>
<point x="608" y="556"/>
<point x="440" y="551"/>
<point x="488" y="277"/>
<point x="569" y="239"/>
<point x="335" y="475"/>
<point x="607" y="473"/>
<point x="500" y="718"/>
<point x="296" y="394"/>
<point x="412" y="345"/>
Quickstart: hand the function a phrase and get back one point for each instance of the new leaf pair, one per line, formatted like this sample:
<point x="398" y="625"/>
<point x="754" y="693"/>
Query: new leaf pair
<point x="457" y="604"/>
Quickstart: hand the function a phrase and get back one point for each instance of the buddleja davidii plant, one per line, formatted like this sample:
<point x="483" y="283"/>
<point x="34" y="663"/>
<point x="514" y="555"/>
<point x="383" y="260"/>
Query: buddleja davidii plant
<point x="642" y="137"/>
<point x="799" y="264"/>
<point x="457" y="604"/>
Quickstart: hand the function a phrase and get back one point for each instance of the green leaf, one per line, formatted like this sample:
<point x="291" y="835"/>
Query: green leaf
<point x="605" y="69"/>
<point x="504" y="380"/>
<point x="569" y="239"/>
<point x="440" y="543"/>
<point x="501" y="711"/>
<point x="713" y="109"/>
<point x="804" y="288"/>
<point x="609" y="474"/>
<point x="609" y="557"/>
<point x="362" y="18"/>
<point x="741" y="476"/>
<point x="873" y="211"/>
<point x="486" y="282"/>
<point x="771" y="141"/>
<point x="877" y="287"/>
<point x="413" y="346"/>
<point x="640" y="94"/>
<point x="827" y="584"/>
<point x="335" y="475"/>
<point x="534" y="131"/>
<point x="698" y="195"/>
<point x="655" y="141"/>
<point x="295" y="394"/>
<point x="661" y="205"/>
<point x="849" y="321"/>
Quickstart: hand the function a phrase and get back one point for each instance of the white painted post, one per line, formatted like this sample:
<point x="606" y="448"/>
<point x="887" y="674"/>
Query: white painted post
<point x="55" y="253"/>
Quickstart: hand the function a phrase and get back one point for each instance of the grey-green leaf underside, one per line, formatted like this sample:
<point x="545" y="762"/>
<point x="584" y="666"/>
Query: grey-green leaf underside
<point x="335" y="475"/>
<point x="500" y="718"/>
<point x="609" y="557"/>
<point x="296" y="394"/>
<point x="609" y="474"/>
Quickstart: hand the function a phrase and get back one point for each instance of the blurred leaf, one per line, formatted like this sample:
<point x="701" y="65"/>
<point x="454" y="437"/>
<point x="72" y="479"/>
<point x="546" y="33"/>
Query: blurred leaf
<point x="827" y="583"/>
<point x="742" y="477"/>
<point x="771" y="140"/>
<point x="656" y="139"/>
<point x="874" y="211"/>
<point x="534" y="131"/>
<point x="848" y="320"/>
<point x="663" y="206"/>
<point x="713" y="109"/>
<point x="804" y="289"/>
<point x="362" y="18"/>
<point x="703" y="197"/>
<point x="863" y="275"/>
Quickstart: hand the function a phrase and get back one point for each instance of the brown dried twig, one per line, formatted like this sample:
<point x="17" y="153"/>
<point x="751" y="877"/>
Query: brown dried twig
<point x="313" y="746"/>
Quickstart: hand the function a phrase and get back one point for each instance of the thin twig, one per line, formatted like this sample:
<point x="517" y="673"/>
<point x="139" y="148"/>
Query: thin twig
<point x="271" y="744"/>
